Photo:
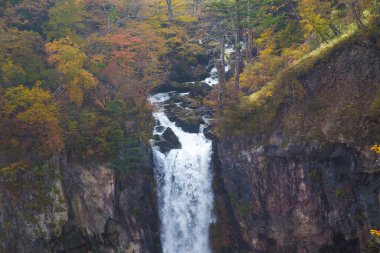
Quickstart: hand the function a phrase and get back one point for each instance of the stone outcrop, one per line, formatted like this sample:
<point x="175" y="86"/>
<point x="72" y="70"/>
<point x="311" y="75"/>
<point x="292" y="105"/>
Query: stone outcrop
<point x="302" y="198"/>
<point x="167" y="141"/>
<point x="76" y="207"/>
<point x="184" y="118"/>
<point x="313" y="185"/>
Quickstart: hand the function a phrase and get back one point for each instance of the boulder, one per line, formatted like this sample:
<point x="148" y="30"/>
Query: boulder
<point x="189" y="123"/>
<point x="167" y="141"/>
<point x="173" y="86"/>
<point x="200" y="89"/>
<point x="170" y="136"/>
<point x="190" y="68"/>
<point x="196" y="89"/>
<point x="176" y="98"/>
<point x="209" y="134"/>
<point x="184" y="118"/>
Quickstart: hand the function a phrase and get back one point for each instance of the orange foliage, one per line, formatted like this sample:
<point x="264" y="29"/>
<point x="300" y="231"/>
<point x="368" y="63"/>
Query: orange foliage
<point x="134" y="60"/>
<point x="375" y="232"/>
<point x="29" y="119"/>
<point x="376" y="148"/>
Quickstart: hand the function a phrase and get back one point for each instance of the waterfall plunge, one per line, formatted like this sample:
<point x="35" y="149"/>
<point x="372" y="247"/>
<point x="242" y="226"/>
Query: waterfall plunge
<point x="184" y="188"/>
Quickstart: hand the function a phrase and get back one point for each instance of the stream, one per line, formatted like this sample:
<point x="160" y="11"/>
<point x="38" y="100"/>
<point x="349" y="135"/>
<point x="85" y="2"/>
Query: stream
<point x="184" y="181"/>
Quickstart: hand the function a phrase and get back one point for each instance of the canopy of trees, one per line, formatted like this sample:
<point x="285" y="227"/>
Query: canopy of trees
<point x="72" y="72"/>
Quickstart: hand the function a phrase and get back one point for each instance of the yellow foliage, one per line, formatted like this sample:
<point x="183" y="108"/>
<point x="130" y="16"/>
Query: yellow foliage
<point x="30" y="122"/>
<point x="11" y="71"/>
<point x="265" y="38"/>
<point x="260" y="72"/>
<point x="295" y="53"/>
<point x="267" y="51"/>
<point x="70" y="60"/>
<point x="313" y="17"/>
<point x="65" y="19"/>
<point x="98" y="58"/>
<point x="14" y="166"/>
<point x="375" y="232"/>
<point x="376" y="148"/>
<point x="31" y="105"/>
<point x="269" y="94"/>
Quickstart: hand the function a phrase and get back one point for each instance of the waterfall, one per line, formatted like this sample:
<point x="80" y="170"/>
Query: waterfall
<point x="184" y="179"/>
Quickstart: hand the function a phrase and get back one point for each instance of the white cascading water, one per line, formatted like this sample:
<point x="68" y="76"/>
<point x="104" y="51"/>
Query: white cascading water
<point x="184" y="187"/>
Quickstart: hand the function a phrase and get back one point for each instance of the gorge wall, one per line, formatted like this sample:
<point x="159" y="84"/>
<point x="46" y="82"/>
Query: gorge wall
<point x="313" y="185"/>
<point x="80" y="207"/>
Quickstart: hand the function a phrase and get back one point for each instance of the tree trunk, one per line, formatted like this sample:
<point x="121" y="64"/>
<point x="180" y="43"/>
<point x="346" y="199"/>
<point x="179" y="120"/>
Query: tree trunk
<point x="354" y="7"/>
<point x="245" y="38"/>
<point x="222" y="59"/>
<point x="248" y="44"/>
<point x="249" y="34"/>
<point x="220" y="70"/>
<point x="220" y="65"/>
<point x="237" y="48"/>
<point x="334" y="29"/>
<point x="170" y="11"/>
<point x="237" y="66"/>
<point x="108" y="17"/>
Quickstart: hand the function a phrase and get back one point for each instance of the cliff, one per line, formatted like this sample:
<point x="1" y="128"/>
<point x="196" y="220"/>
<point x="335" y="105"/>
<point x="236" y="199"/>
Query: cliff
<point x="69" y="206"/>
<point x="307" y="180"/>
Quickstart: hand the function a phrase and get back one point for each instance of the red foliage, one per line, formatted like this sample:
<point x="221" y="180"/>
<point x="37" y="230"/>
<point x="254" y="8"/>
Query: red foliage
<point x="123" y="39"/>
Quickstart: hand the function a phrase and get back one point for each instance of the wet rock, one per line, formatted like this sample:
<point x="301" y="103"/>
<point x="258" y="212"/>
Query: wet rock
<point x="170" y="136"/>
<point x="176" y="98"/>
<point x="160" y="128"/>
<point x="189" y="123"/>
<point x="172" y="86"/>
<point x="167" y="141"/>
<point x="200" y="89"/>
<point x="204" y="111"/>
<point x="196" y="89"/>
<point x="190" y="68"/>
<point x="208" y="133"/>
<point x="184" y="118"/>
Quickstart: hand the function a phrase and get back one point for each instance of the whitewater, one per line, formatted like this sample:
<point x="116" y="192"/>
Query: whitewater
<point x="184" y="182"/>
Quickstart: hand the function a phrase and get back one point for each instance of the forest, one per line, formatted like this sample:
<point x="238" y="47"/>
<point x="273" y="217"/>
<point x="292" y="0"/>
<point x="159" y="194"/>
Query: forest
<point x="71" y="70"/>
<point x="76" y="77"/>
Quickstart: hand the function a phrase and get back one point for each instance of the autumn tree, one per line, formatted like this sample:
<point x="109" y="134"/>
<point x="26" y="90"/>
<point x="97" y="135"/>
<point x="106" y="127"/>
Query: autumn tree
<point x="66" y="19"/>
<point x="134" y="59"/>
<point x="21" y="61"/>
<point x="355" y="9"/>
<point x="26" y="15"/>
<point x="249" y="17"/>
<point x="29" y="124"/>
<point x="70" y="60"/>
<point x="315" y="18"/>
<point x="180" y="10"/>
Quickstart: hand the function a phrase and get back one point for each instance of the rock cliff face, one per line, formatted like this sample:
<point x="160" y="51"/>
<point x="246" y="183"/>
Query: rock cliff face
<point x="314" y="185"/>
<point x="81" y="208"/>
<point x="302" y="198"/>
